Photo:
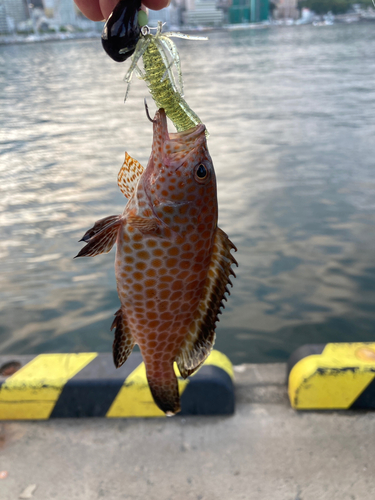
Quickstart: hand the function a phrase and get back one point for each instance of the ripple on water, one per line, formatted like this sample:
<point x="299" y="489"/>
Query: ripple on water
<point x="291" y="134"/>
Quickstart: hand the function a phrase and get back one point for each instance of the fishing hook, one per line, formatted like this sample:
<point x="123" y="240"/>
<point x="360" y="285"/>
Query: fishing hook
<point x="147" y="113"/>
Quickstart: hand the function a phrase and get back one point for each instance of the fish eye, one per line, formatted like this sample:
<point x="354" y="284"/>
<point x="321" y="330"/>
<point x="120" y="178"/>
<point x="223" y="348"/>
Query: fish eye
<point x="201" y="172"/>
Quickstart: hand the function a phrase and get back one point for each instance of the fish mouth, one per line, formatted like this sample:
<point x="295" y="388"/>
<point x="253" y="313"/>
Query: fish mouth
<point x="174" y="145"/>
<point x="169" y="152"/>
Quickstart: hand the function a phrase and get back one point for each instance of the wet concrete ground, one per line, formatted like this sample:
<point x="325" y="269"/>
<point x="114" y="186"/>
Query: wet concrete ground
<point x="266" y="451"/>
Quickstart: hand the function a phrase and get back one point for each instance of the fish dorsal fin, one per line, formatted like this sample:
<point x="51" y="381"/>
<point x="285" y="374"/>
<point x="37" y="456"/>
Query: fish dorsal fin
<point x="129" y="175"/>
<point x="201" y="337"/>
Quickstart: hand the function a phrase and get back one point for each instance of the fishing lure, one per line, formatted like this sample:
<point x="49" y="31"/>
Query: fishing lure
<point x="126" y="33"/>
<point x="160" y="55"/>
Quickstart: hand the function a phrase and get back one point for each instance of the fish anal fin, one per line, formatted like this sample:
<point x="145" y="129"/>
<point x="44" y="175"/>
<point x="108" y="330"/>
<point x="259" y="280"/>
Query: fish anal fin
<point x="102" y="240"/>
<point x="164" y="388"/>
<point x="129" y="175"/>
<point x="123" y="343"/>
<point x="201" y="337"/>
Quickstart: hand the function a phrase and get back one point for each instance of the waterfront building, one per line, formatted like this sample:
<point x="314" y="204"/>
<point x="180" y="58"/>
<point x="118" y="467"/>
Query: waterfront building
<point x="246" y="11"/>
<point x="16" y="10"/>
<point x="286" y="9"/>
<point x="217" y="12"/>
<point x="4" y="28"/>
<point x="63" y="11"/>
<point x="159" y="15"/>
<point x="202" y="13"/>
<point x="3" y="19"/>
<point x="170" y="16"/>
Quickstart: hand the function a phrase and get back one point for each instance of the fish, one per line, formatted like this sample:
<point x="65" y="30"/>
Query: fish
<point x="173" y="263"/>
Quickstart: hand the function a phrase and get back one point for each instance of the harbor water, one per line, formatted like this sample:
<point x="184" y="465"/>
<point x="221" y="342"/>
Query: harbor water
<point x="291" y="116"/>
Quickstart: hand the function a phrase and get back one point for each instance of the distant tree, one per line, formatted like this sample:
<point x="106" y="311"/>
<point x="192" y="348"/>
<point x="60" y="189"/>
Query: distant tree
<point x="272" y="6"/>
<point x="365" y="3"/>
<point x="335" y="6"/>
<point x="324" y="6"/>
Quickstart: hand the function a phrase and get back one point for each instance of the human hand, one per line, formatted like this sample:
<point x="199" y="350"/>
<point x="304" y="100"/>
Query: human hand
<point x="97" y="10"/>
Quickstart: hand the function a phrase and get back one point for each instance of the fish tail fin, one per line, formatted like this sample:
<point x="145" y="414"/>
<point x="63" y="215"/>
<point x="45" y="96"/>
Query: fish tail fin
<point x="164" y="387"/>
<point x="101" y="237"/>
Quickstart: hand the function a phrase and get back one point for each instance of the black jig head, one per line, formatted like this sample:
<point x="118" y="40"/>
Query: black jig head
<point x="121" y="31"/>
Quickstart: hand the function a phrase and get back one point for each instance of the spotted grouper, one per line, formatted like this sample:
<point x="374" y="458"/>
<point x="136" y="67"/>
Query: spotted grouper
<point x="173" y="263"/>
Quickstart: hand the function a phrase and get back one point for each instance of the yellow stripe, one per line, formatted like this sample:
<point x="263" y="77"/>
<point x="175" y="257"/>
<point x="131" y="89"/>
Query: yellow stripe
<point x="135" y="400"/>
<point x="333" y="379"/>
<point x="32" y="392"/>
<point x="348" y="354"/>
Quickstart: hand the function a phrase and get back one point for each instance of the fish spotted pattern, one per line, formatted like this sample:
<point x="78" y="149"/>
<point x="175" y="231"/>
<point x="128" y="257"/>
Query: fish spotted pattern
<point x="172" y="262"/>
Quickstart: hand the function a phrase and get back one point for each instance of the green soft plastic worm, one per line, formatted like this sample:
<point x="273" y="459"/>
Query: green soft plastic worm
<point x="159" y="55"/>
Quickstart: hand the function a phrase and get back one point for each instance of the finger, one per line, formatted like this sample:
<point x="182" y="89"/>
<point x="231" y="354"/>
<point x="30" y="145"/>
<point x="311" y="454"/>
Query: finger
<point x="156" y="4"/>
<point x="90" y="8"/>
<point x="107" y="7"/>
<point x="97" y="10"/>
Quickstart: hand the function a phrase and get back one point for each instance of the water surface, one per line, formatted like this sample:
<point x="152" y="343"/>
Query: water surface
<point x="291" y="115"/>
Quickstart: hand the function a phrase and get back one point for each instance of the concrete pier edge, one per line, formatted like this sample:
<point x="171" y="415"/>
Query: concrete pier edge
<point x="265" y="451"/>
<point x="88" y="385"/>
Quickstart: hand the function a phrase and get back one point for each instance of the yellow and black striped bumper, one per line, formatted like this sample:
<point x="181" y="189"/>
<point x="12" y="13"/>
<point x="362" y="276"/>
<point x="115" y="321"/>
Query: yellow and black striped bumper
<point x="332" y="376"/>
<point x="88" y="385"/>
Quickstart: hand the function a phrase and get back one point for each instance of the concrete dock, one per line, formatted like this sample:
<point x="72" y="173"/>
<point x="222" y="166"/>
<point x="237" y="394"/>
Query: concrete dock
<point x="266" y="451"/>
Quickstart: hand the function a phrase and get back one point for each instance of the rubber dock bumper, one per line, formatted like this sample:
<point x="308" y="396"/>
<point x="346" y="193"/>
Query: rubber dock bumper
<point x="332" y="377"/>
<point x="88" y="385"/>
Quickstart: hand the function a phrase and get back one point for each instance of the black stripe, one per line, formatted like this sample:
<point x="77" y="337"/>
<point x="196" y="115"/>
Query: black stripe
<point x="91" y="392"/>
<point x="209" y="392"/>
<point x="303" y="352"/>
<point x="23" y="359"/>
<point x="366" y="399"/>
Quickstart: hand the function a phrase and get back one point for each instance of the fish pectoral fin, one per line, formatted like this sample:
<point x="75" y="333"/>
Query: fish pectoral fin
<point x="164" y="387"/>
<point x="101" y="237"/>
<point x="201" y="337"/>
<point x="146" y="225"/>
<point x="123" y="343"/>
<point x="99" y="226"/>
<point x="129" y="175"/>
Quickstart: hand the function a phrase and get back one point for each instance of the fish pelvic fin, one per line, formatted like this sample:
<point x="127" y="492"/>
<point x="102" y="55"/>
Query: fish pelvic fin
<point x="164" y="387"/>
<point x="124" y="342"/>
<point x="101" y="237"/>
<point x="129" y="175"/>
<point x="201" y="337"/>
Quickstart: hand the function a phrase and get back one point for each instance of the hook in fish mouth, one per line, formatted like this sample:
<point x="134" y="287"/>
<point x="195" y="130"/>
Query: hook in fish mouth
<point x="148" y="114"/>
